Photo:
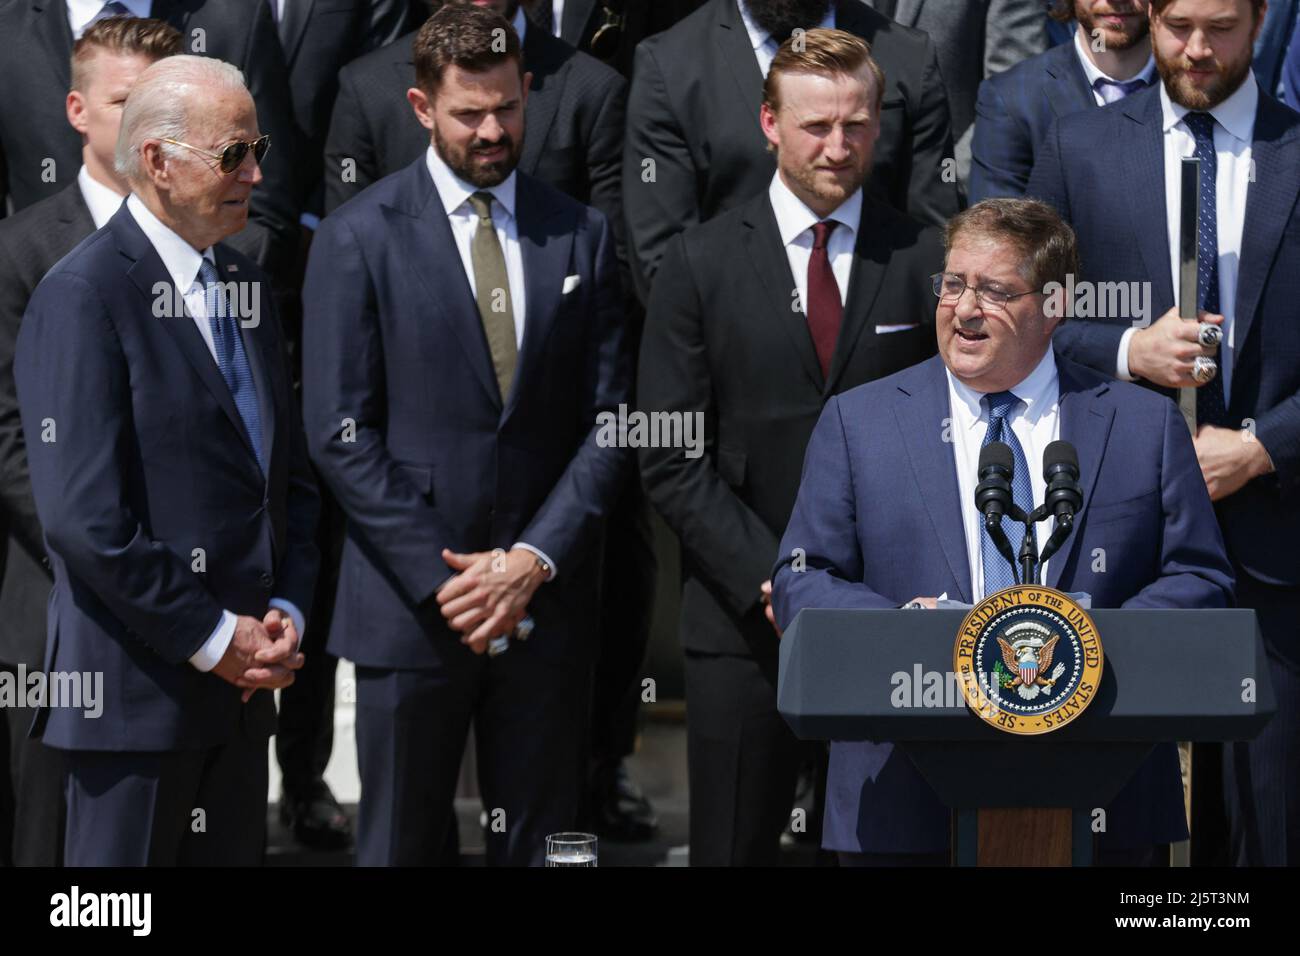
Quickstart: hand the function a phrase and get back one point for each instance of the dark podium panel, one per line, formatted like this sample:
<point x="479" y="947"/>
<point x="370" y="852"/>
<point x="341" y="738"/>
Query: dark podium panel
<point x="888" y="675"/>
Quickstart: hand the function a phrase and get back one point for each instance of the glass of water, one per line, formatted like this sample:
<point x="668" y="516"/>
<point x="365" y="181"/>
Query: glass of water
<point x="571" y="849"/>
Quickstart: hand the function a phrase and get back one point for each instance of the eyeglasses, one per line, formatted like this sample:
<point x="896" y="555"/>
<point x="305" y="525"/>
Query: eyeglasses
<point x="232" y="154"/>
<point x="950" y="288"/>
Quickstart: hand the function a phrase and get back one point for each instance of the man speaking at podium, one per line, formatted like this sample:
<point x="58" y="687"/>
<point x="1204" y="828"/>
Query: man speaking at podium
<point x="886" y="513"/>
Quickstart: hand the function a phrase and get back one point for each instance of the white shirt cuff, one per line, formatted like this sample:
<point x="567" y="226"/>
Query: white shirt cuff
<point x="541" y="554"/>
<point x="288" y="607"/>
<point x="1121" y="360"/>
<point x="214" y="648"/>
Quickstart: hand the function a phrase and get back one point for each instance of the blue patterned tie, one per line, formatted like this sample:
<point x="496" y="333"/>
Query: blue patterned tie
<point x="1112" y="91"/>
<point x="997" y="572"/>
<point x="231" y="357"/>
<point x="1211" y="408"/>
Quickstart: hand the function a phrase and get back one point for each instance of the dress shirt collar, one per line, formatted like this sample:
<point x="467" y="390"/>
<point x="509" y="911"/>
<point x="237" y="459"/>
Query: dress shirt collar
<point x="100" y="200"/>
<point x="81" y="12"/>
<point x="1039" y="391"/>
<point x="179" y="258"/>
<point x="520" y="23"/>
<point x="758" y="36"/>
<point x="1146" y="74"/>
<point x="455" y="192"/>
<point x="1236" y="114"/>
<point x="794" y="218"/>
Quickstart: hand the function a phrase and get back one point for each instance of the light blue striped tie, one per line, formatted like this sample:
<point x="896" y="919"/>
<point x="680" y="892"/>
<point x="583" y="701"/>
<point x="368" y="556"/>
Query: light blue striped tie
<point x="997" y="572"/>
<point x="231" y="357"/>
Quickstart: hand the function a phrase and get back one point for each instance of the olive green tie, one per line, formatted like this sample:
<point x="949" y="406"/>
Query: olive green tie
<point x="492" y="288"/>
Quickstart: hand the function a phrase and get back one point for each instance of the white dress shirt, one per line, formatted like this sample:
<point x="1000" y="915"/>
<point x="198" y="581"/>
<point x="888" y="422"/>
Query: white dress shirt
<point x="1093" y="74"/>
<point x="1036" y="424"/>
<point x="81" y="12"/>
<point x="795" y="221"/>
<point x="1234" y="131"/>
<point x="557" y="17"/>
<point x="764" y="46"/>
<point x="102" y="202"/>
<point x="454" y="193"/>
<point x="181" y="260"/>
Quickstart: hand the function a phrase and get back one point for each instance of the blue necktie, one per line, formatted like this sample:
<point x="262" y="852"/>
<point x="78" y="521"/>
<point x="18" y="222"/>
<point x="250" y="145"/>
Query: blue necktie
<point x="1112" y="91"/>
<point x="1211" y="407"/>
<point x="997" y="572"/>
<point x="231" y="357"/>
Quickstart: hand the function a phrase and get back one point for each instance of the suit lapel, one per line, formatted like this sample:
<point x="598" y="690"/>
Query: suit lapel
<point x="1270" y="201"/>
<point x="919" y="410"/>
<point x="1085" y="423"/>
<point x="546" y="244"/>
<point x="870" y="260"/>
<point x="74" y="213"/>
<point x="772" y="269"/>
<point x="543" y="96"/>
<point x="1143" y="186"/>
<point x="732" y="43"/>
<point x="292" y="26"/>
<point x="56" y="36"/>
<point x="151" y="278"/>
<point x="904" y="11"/>
<point x="573" y="22"/>
<point x="1068" y="91"/>
<point x="420" y="227"/>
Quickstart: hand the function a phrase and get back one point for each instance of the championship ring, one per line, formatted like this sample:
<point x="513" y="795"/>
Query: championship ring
<point x="1028" y="659"/>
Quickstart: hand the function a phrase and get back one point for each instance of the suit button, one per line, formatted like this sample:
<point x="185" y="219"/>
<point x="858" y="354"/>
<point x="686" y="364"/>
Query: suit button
<point x="266" y="579"/>
<point x="45" y="563"/>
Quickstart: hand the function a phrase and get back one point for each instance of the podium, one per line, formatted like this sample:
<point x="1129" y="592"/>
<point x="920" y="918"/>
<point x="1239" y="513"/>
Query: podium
<point x="1198" y="675"/>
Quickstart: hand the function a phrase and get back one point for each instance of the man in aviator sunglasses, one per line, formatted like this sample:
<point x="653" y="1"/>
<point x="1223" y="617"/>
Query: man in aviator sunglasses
<point x="231" y="156"/>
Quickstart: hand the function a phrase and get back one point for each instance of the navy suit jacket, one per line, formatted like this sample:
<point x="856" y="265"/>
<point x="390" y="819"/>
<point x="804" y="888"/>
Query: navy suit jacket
<point x="1013" y="113"/>
<point x="138" y="457"/>
<point x="394" y="350"/>
<point x="1115" y="200"/>
<point x="878" y="472"/>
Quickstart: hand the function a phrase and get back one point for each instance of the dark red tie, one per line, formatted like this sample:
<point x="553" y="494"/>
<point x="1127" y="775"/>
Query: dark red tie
<point x="825" y="310"/>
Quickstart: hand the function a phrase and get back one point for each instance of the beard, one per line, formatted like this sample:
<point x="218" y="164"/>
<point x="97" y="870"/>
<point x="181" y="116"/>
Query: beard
<point x="824" y="188"/>
<point x="1125" y="38"/>
<point x="461" y="161"/>
<point x="1173" y="72"/>
<point x="780" y="17"/>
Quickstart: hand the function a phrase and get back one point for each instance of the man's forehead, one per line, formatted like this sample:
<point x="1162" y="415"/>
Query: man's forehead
<point x="842" y="89"/>
<point x="984" y="256"/>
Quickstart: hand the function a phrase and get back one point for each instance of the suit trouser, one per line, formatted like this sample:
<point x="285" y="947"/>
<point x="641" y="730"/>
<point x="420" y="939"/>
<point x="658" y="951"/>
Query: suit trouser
<point x="32" y="810"/>
<point x="168" y="808"/>
<point x="1262" y="776"/>
<point x="743" y="760"/>
<point x="305" y="737"/>
<point x="626" y="607"/>
<point x="530" y="732"/>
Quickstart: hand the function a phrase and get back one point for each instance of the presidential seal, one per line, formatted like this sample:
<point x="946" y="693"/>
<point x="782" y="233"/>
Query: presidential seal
<point x="1028" y="659"/>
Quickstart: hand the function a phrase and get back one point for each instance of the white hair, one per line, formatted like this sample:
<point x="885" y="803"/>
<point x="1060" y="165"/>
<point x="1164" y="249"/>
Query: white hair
<point x="159" y="104"/>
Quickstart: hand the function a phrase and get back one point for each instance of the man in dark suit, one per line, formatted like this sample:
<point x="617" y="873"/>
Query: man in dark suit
<point x="1109" y="58"/>
<point x="694" y="148"/>
<point x="574" y="114"/>
<point x="39" y="153"/>
<point x="453" y="408"/>
<point x="1124" y="204"/>
<point x="973" y="40"/>
<point x="608" y="29"/>
<point x="318" y="38"/>
<point x="913" y="440"/>
<point x="105" y="63"/>
<point x="809" y="288"/>
<point x="171" y="481"/>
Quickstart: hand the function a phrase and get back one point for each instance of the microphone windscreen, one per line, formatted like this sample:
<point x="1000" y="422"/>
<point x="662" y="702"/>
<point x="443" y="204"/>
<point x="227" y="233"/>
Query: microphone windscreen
<point x="997" y="454"/>
<point x="1058" y="454"/>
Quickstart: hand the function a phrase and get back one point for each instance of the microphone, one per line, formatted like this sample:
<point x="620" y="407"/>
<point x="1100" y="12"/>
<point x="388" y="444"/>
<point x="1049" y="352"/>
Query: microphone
<point x="1064" y="496"/>
<point x="1061" y="472"/>
<point x="993" y="497"/>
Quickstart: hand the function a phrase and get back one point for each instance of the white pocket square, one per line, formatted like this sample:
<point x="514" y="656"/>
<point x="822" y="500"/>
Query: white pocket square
<point x="571" y="283"/>
<point x="886" y="329"/>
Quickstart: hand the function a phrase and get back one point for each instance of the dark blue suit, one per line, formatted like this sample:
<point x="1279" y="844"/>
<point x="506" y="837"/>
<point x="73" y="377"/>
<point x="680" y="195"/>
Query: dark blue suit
<point x="150" y="461"/>
<point x="1013" y="112"/>
<point x="395" y="345"/>
<point x="1144" y="503"/>
<point x="1115" y="200"/>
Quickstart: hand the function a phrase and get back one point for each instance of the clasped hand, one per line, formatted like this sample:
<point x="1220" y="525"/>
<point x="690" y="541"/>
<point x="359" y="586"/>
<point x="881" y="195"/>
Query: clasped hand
<point x="489" y="595"/>
<point x="262" y="654"/>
